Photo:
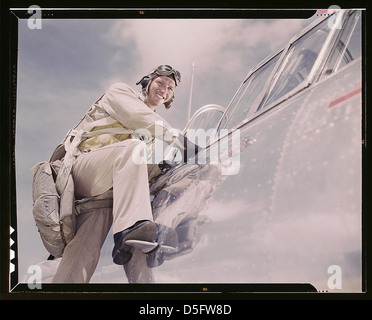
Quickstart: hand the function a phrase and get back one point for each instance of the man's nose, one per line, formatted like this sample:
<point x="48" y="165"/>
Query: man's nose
<point x="162" y="89"/>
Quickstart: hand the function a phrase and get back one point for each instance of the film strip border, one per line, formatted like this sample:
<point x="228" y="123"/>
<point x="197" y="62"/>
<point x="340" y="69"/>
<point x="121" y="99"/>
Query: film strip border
<point x="12" y="258"/>
<point x="9" y="139"/>
<point x="11" y="252"/>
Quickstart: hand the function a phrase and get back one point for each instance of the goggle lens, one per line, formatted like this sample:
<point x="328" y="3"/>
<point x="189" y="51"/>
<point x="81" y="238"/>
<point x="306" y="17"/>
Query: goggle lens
<point x="166" y="70"/>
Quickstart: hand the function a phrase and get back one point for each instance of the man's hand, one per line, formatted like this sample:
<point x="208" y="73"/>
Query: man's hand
<point x="188" y="149"/>
<point x="165" y="166"/>
<point x="191" y="150"/>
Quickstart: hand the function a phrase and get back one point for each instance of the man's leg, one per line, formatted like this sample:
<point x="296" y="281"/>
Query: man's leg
<point x="136" y="269"/>
<point x="114" y="166"/>
<point x="119" y="166"/>
<point x="81" y="255"/>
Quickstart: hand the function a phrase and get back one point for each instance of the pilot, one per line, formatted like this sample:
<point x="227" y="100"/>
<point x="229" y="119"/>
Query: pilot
<point x="105" y="161"/>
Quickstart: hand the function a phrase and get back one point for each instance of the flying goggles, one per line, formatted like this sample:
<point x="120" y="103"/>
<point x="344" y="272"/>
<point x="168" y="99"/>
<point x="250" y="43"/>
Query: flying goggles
<point x="166" y="70"/>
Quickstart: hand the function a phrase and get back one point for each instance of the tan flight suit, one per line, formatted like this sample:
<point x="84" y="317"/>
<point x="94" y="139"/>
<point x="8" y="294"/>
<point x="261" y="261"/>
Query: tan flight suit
<point x="103" y="162"/>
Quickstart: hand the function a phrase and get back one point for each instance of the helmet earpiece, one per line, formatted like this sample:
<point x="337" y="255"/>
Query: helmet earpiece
<point x="144" y="82"/>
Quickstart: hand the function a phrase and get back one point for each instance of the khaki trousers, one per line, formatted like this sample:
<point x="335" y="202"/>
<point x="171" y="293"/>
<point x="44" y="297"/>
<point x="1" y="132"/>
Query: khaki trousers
<point x="94" y="173"/>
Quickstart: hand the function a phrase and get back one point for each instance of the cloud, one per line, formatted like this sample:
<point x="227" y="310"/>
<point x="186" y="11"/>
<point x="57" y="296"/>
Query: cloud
<point x="171" y="41"/>
<point x="180" y="42"/>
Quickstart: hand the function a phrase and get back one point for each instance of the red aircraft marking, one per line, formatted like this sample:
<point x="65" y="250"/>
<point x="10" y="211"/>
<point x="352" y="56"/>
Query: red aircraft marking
<point x="345" y="97"/>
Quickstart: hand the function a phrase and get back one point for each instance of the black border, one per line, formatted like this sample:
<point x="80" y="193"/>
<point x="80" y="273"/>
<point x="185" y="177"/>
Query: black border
<point x="8" y="57"/>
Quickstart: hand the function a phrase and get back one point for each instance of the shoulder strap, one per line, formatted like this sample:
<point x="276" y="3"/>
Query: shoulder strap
<point x="110" y="130"/>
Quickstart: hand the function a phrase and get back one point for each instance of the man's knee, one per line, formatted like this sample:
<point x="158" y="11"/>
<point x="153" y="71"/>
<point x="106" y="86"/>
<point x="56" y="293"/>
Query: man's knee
<point x="138" y="151"/>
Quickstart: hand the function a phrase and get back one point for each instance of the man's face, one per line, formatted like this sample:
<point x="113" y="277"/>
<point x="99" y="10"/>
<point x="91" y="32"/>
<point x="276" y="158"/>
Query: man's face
<point x="161" y="90"/>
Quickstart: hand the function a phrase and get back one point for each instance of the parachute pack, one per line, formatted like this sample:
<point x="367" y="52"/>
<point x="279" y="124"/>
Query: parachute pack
<point x="54" y="213"/>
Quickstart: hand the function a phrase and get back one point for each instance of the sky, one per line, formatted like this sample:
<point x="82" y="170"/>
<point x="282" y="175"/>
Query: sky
<point x="67" y="64"/>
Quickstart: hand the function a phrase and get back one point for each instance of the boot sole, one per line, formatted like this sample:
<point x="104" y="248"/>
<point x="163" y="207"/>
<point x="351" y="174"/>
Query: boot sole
<point x="168" y="244"/>
<point x="145" y="231"/>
